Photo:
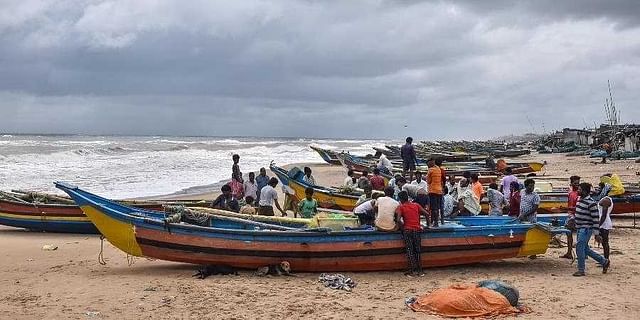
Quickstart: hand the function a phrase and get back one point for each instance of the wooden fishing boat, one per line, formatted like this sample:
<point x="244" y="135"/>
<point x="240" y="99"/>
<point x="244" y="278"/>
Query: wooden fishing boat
<point x="330" y="198"/>
<point x="145" y="233"/>
<point x="329" y="156"/>
<point x="52" y="217"/>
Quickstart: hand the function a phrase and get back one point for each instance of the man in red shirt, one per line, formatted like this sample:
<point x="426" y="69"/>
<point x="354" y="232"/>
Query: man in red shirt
<point x="408" y="216"/>
<point x="572" y="201"/>
<point x="377" y="181"/>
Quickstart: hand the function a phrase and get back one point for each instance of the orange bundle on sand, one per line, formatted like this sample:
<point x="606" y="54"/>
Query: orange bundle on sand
<point x="464" y="300"/>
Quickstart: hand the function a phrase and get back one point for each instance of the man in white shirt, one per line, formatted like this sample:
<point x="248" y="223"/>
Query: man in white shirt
<point x="269" y="197"/>
<point x="250" y="186"/>
<point x="350" y="181"/>
<point x="385" y="208"/>
<point x="365" y="211"/>
<point x="422" y="184"/>
<point x="385" y="165"/>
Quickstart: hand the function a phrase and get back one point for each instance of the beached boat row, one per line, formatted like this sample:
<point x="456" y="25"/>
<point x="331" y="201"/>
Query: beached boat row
<point x="141" y="232"/>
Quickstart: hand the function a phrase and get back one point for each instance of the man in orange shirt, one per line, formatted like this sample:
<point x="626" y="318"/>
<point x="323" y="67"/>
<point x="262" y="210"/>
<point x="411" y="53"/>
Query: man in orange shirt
<point x="476" y="186"/>
<point x="434" y="181"/>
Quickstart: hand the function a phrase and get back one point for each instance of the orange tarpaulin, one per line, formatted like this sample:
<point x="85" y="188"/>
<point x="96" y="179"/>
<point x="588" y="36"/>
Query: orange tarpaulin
<point x="459" y="301"/>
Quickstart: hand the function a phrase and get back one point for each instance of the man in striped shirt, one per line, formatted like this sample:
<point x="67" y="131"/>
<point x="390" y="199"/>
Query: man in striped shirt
<point x="587" y="220"/>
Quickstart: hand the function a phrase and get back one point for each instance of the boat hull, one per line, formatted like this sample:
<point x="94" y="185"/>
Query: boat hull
<point x="142" y="233"/>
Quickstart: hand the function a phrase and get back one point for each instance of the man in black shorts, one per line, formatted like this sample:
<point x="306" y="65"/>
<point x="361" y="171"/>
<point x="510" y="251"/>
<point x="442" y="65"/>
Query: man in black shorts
<point x="409" y="160"/>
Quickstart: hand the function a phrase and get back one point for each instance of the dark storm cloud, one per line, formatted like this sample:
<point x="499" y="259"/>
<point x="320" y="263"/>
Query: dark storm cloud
<point x="315" y="68"/>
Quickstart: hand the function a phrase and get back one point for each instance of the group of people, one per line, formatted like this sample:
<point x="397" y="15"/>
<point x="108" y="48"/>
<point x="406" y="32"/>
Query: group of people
<point x="400" y="203"/>
<point x="258" y="194"/>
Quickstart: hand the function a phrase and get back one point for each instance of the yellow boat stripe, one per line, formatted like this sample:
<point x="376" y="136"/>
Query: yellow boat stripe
<point x="120" y="234"/>
<point x="43" y="217"/>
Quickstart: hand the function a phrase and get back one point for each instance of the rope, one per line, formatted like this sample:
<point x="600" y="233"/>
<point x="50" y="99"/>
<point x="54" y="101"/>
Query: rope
<point x="101" y="254"/>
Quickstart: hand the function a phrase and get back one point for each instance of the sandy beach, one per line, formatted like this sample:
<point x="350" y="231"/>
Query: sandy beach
<point x="69" y="283"/>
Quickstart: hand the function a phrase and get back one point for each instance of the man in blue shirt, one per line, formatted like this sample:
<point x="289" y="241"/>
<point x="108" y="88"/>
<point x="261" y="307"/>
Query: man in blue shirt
<point x="261" y="181"/>
<point x="409" y="159"/>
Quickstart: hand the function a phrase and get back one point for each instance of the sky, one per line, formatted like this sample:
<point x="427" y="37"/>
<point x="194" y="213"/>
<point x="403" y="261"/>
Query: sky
<point x="330" y="68"/>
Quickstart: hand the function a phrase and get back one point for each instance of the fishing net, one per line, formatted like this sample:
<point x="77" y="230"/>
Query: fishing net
<point x="464" y="300"/>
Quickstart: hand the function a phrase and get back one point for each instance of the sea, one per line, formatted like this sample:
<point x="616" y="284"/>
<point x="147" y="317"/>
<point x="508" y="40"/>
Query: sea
<point x="145" y="166"/>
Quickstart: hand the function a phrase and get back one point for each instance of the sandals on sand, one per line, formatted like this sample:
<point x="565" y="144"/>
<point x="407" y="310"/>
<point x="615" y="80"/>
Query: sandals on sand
<point x="605" y="266"/>
<point x="579" y="274"/>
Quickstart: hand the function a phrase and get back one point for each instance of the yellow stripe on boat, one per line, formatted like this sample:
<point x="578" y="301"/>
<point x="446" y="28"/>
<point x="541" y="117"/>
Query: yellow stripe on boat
<point x="536" y="166"/>
<point x="120" y="234"/>
<point x="43" y="217"/>
<point x="536" y="241"/>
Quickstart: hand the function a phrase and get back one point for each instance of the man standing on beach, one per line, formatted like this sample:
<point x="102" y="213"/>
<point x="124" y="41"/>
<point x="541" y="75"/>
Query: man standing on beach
<point x="261" y="181"/>
<point x="409" y="159"/>
<point x="268" y="198"/>
<point x="587" y="223"/>
<point x="250" y="186"/>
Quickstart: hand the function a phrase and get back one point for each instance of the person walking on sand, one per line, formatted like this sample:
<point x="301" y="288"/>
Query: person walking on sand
<point x="268" y="198"/>
<point x="408" y="217"/>
<point x="587" y="223"/>
<point x="572" y="201"/>
<point x="409" y="159"/>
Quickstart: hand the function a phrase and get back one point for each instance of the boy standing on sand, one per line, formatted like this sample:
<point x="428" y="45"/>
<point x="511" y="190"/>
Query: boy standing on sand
<point x="408" y="217"/>
<point x="572" y="201"/>
<point x="308" y="207"/>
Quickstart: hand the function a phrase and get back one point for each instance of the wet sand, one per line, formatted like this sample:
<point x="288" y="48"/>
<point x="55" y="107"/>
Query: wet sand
<point x="69" y="283"/>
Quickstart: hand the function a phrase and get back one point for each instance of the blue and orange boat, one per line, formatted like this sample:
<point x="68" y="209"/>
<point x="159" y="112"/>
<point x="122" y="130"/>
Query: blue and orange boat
<point x="140" y="232"/>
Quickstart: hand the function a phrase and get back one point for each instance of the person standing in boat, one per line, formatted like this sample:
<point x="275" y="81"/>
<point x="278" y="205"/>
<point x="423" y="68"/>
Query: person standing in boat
<point x="385" y="209"/>
<point x="434" y="181"/>
<point x="269" y="198"/>
<point x="237" y="182"/>
<point x="377" y="181"/>
<point x="261" y="181"/>
<point x="447" y="203"/>
<point x="409" y="159"/>
<point x="529" y="202"/>
<point x="587" y="223"/>
<point x="572" y="201"/>
<point x="408" y="217"/>
<point x="308" y="177"/>
<point x="226" y="201"/>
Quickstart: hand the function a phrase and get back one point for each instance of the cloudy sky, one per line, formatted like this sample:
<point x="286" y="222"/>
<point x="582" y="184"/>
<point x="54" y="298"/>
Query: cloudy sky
<point x="373" y="69"/>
